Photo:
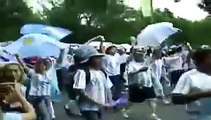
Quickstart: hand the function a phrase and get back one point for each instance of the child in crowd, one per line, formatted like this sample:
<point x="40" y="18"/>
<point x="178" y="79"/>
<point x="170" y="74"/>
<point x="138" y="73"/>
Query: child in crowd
<point x="140" y="83"/>
<point x="71" y="108"/>
<point x="92" y="84"/>
<point x="111" y="65"/>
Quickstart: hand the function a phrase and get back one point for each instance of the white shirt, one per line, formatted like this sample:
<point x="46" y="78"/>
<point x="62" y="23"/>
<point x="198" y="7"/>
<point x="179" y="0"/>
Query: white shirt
<point x="123" y="58"/>
<point x="66" y="62"/>
<point x="143" y="78"/>
<point x="97" y="89"/>
<point x="148" y="60"/>
<point x="12" y="116"/>
<point x="157" y="69"/>
<point x="51" y="73"/>
<point x="193" y="82"/>
<point x="185" y="52"/>
<point x="112" y="64"/>
<point x="175" y="62"/>
<point x="40" y="84"/>
<point x="157" y="72"/>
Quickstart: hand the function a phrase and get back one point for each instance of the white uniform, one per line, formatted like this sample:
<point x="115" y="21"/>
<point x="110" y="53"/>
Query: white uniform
<point x="193" y="82"/>
<point x="142" y="78"/>
<point x="97" y="89"/>
<point x="112" y="64"/>
<point x="175" y="62"/>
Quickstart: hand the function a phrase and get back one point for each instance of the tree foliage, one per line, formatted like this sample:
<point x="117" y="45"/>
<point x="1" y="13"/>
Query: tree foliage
<point x="88" y="18"/>
<point x="205" y="5"/>
<point x="14" y="14"/>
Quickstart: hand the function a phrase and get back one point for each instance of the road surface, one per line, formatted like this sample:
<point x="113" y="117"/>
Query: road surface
<point x="139" y="112"/>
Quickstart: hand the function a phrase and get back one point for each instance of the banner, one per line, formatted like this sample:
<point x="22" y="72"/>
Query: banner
<point x="36" y="45"/>
<point x="146" y="7"/>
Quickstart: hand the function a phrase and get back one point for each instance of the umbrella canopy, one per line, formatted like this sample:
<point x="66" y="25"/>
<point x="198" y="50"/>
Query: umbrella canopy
<point x="55" y="32"/>
<point x="155" y="34"/>
<point x="36" y="45"/>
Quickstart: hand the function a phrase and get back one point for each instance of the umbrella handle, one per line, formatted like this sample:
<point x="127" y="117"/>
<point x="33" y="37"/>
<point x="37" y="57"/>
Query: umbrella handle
<point x="94" y="38"/>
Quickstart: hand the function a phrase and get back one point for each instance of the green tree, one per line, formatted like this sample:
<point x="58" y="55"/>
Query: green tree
<point x="205" y="5"/>
<point x="14" y="14"/>
<point x="88" y="18"/>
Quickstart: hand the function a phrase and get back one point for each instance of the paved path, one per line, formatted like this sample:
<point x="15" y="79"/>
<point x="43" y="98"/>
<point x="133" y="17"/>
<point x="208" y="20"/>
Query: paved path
<point x="139" y="112"/>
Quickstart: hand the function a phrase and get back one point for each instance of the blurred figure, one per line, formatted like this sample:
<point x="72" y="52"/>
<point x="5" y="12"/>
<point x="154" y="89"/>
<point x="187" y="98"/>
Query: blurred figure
<point x="16" y="96"/>
<point x="175" y="62"/>
<point x="158" y="73"/>
<point x="194" y="87"/>
<point x="140" y="83"/>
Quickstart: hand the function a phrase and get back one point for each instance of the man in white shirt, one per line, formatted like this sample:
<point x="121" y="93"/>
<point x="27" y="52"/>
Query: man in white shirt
<point x="196" y="85"/>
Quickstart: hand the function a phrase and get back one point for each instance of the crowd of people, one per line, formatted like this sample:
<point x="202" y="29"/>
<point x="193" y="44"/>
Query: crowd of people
<point x="108" y="78"/>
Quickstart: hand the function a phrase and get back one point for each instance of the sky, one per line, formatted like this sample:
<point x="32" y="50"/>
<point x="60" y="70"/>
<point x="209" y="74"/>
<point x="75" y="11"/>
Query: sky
<point x="187" y="9"/>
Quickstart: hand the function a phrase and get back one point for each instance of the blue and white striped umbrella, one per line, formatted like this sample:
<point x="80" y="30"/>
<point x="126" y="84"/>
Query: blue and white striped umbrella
<point x="55" y="32"/>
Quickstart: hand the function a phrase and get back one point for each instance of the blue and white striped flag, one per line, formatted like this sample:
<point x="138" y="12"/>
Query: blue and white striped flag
<point x="6" y="56"/>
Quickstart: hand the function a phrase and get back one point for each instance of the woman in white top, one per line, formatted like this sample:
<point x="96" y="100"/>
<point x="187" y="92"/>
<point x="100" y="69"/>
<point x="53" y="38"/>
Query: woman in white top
<point x="40" y="89"/>
<point x="140" y="83"/>
<point x="196" y="85"/>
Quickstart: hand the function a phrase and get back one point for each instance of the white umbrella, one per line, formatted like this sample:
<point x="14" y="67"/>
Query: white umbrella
<point x="155" y="34"/>
<point x="36" y="45"/>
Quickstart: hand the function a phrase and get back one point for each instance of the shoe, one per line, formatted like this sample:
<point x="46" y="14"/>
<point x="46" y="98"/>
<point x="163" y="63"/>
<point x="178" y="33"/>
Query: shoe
<point x="125" y="113"/>
<point x="154" y="117"/>
<point x="78" y="114"/>
<point x="166" y="102"/>
<point x="67" y="111"/>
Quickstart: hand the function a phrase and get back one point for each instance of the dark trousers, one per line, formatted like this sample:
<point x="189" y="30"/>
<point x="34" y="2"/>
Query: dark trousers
<point x="60" y="79"/>
<point x="175" y="75"/>
<point x="91" y="115"/>
<point x="71" y="92"/>
<point x="117" y="86"/>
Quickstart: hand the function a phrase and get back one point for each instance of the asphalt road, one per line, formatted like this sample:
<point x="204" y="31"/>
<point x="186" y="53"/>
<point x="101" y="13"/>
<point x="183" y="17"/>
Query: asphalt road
<point x="138" y="112"/>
